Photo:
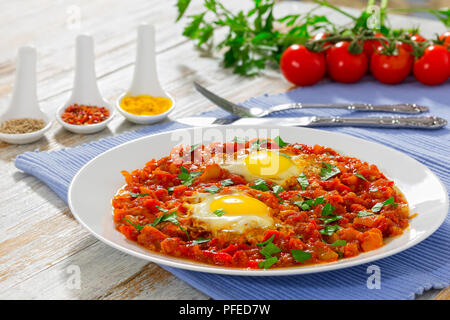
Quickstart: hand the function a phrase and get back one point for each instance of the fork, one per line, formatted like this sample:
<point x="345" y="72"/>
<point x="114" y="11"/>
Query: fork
<point x="256" y="112"/>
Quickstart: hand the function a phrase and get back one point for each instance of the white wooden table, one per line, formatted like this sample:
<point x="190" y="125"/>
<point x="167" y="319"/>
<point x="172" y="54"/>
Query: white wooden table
<point x="40" y="242"/>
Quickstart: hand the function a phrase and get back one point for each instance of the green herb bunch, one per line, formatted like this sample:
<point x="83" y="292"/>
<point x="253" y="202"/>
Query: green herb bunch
<point x="255" y="39"/>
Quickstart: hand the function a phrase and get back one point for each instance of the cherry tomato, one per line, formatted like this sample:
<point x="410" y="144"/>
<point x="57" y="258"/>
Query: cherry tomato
<point x="301" y="66"/>
<point x="344" y="66"/>
<point x="433" y="67"/>
<point x="416" y="38"/>
<point x="371" y="45"/>
<point x="391" y="69"/>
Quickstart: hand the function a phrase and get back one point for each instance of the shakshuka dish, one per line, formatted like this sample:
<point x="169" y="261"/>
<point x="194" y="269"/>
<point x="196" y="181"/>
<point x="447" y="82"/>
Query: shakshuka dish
<point x="259" y="204"/>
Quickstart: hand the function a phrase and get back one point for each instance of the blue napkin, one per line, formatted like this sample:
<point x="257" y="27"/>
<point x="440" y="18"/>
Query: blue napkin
<point x="422" y="267"/>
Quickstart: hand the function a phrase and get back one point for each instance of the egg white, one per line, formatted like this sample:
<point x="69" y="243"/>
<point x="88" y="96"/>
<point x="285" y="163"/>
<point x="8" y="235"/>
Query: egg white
<point x="202" y="216"/>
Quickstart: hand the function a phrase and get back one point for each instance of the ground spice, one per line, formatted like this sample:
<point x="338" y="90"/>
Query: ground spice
<point x="81" y="114"/>
<point x="23" y="125"/>
<point x="144" y="104"/>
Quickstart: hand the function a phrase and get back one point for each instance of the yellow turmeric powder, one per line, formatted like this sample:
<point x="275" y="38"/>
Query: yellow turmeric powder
<point x="144" y="104"/>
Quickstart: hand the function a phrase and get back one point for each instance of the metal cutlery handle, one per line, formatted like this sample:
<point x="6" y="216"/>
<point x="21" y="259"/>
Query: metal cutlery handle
<point x="399" y="108"/>
<point x="382" y="122"/>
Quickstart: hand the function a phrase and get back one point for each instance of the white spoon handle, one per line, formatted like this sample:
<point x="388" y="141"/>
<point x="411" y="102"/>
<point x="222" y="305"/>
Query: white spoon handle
<point x="85" y="89"/>
<point x="145" y="78"/>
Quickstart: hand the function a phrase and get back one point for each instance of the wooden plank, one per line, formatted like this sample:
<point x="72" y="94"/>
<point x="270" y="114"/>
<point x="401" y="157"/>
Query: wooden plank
<point x="443" y="295"/>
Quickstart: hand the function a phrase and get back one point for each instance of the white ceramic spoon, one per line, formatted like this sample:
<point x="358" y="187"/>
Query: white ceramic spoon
<point x="145" y="78"/>
<point x="24" y="102"/>
<point x="85" y="90"/>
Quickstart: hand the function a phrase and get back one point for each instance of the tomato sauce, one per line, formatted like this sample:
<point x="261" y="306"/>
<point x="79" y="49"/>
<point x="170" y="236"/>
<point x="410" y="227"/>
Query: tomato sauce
<point x="326" y="220"/>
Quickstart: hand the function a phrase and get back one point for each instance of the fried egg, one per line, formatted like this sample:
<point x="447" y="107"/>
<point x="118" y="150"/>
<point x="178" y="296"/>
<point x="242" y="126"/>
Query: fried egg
<point x="270" y="164"/>
<point x="235" y="212"/>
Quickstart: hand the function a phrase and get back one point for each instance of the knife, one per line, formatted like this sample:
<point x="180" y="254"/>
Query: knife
<point x="427" y="122"/>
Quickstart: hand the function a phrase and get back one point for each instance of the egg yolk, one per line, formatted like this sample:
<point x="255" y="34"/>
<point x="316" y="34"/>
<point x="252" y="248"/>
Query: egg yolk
<point x="267" y="164"/>
<point x="239" y="205"/>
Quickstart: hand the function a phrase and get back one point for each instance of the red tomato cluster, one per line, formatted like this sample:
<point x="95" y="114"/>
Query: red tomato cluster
<point x="304" y="67"/>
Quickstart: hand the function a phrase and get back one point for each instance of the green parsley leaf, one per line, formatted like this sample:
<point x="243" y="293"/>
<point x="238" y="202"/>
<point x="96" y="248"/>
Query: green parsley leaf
<point x="136" y="226"/>
<point x="277" y="189"/>
<point x="239" y="140"/>
<point x="266" y="242"/>
<point x="379" y="205"/>
<point x="333" y="218"/>
<point x="187" y="178"/>
<point x="300" y="256"/>
<point x="327" y="210"/>
<point x="308" y="204"/>
<point x="329" y="171"/>
<point x="257" y="143"/>
<point x="280" y="142"/>
<point x="303" y="180"/>
<point x="359" y="175"/>
<point x="195" y="146"/>
<point x="318" y="200"/>
<point x="219" y="212"/>
<point x="260" y="184"/>
<point x="364" y="214"/>
<point x="329" y="230"/>
<point x="136" y="195"/>
<point x="269" y="250"/>
<point x="162" y="209"/>
<point x="200" y="240"/>
<point x="227" y="182"/>
<point x="169" y="217"/>
<point x="339" y="243"/>
<point x="266" y="264"/>
<point x="212" y="189"/>
<point x="170" y="189"/>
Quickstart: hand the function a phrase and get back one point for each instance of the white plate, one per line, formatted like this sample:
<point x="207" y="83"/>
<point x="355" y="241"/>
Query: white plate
<point x="93" y="187"/>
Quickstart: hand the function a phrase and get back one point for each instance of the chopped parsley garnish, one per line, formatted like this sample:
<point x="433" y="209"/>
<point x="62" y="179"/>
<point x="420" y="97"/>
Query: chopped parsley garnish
<point x="136" y="226"/>
<point x="213" y="189"/>
<point x="329" y="230"/>
<point x="136" y="195"/>
<point x="227" y="182"/>
<point x="200" y="240"/>
<point x="169" y="217"/>
<point x="219" y="212"/>
<point x="327" y="210"/>
<point x="239" y="140"/>
<point x="280" y="142"/>
<point x="162" y="209"/>
<point x="300" y="256"/>
<point x="339" y="243"/>
<point x="195" y="146"/>
<point x="257" y="143"/>
<point x="266" y="264"/>
<point x="267" y="251"/>
<point x="308" y="204"/>
<point x="260" y="184"/>
<point x="359" y="175"/>
<point x="303" y="181"/>
<point x="328" y="171"/>
<point x="379" y="205"/>
<point x="187" y="178"/>
<point x="276" y="190"/>
<point x="364" y="214"/>
<point x="331" y="219"/>
<point x="170" y="189"/>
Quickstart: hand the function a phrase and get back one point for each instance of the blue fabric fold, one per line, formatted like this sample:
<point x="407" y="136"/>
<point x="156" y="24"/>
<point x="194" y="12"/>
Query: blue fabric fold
<point x="422" y="267"/>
